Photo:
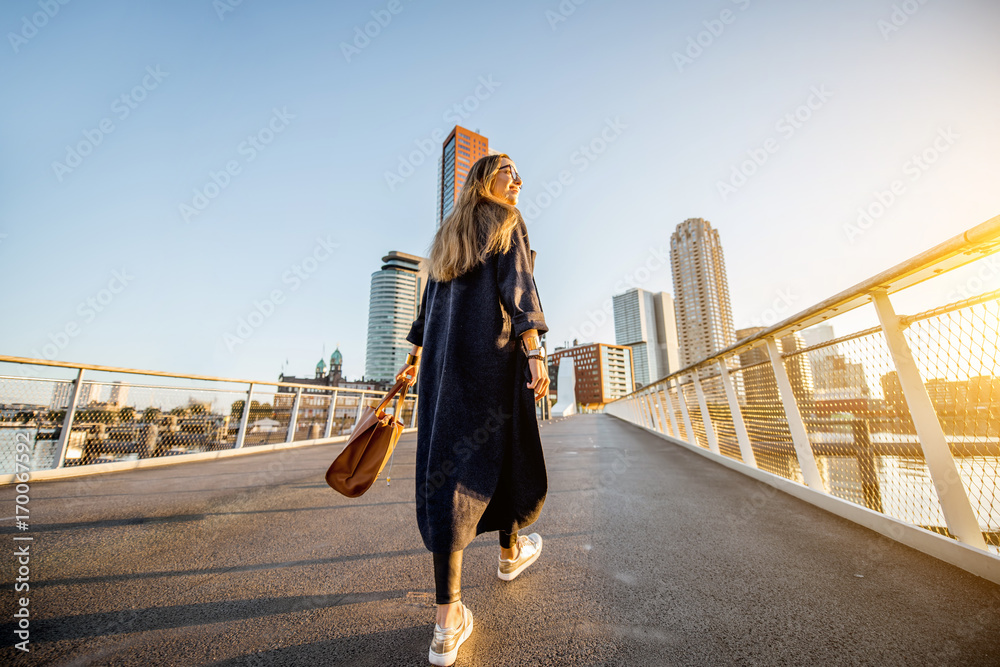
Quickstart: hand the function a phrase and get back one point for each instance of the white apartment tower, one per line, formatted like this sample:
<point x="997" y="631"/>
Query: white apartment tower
<point x="703" y="311"/>
<point x="644" y="321"/>
<point x="393" y="305"/>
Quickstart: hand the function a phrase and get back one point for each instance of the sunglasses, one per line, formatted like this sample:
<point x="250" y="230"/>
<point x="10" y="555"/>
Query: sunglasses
<point x="513" y="172"/>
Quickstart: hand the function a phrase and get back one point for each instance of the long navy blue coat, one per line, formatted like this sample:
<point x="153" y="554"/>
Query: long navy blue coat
<point x="479" y="456"/>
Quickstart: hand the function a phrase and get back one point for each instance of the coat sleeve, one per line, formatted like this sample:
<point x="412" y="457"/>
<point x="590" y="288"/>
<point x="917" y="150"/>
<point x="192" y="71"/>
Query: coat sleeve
<point x="416" y="335"/>
<point x="516" y="283"/>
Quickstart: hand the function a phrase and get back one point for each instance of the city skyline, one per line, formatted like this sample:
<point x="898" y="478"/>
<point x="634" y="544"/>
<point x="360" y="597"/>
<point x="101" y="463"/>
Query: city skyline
<point x="218" y="215"/>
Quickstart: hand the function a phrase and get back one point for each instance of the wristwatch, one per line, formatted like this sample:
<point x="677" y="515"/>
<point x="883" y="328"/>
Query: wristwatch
<point x="537" y="353"/>
<point x="530" y="352"/>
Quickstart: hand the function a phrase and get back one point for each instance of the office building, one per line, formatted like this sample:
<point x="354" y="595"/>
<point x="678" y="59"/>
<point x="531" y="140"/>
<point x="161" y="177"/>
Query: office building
<point x="393" y="305"/>
<point x="119" y="394"/>
<point x="817" y="335"/>
<point x="459" y="151"/>
<point x="701" y="291"/>
<point x="799" y="370"/>
<point x="759" y="384"/>
<point x="603" y="372"/>
<point x="644" y="321"/>
<point x="839" y="384"/>
<point x="64" y="391"/>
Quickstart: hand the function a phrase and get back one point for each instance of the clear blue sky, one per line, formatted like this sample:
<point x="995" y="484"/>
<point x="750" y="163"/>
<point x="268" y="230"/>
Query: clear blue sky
<point x="336" y="124"/>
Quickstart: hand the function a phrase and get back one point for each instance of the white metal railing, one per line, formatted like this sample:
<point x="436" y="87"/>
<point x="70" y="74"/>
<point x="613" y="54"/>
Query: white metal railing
<point x="63" y="414"/>
<point x="902" y="418"/>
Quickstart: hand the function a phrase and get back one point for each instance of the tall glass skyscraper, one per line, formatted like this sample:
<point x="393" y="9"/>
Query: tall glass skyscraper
<point x="701" y="290"/>
<point x="644" y="321"/>
<point x="393" y="305"/>
<point x="459" y="151"/>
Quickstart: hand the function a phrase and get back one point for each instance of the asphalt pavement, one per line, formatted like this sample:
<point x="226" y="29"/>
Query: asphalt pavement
<point x="653" y="555"/>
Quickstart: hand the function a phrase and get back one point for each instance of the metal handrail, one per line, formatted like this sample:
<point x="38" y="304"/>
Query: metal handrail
<point x="180" y="376"/>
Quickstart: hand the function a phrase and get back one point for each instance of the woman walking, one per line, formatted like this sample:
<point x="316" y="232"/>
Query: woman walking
<point x="476" y="338"/>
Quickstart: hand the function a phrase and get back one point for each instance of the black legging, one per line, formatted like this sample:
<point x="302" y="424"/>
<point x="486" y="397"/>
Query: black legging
<point x="448" y="571"/>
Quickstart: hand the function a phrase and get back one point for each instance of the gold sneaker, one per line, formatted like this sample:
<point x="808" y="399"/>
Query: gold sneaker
<point x="444" y="646"/>
<point x="529" y="546"/>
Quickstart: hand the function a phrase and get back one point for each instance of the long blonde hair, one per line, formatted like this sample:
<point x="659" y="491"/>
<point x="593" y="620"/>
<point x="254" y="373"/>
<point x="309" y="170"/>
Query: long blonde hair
<point x="480" y="224"/>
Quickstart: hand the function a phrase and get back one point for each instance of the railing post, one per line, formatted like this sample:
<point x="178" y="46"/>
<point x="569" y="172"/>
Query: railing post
<point x="654" y="400"/>
<point x="955" y="505"/>
<point x="661" y="423"/>
<point x="244" y="419"/>
<point x="67" y="427"/>
<point x="668" y="405"/>
<point x="742" y="437"/>
<point x="647" y="400"/>
<point x="706" y="418"/>
<point x="330" y="415"/>
<point x="800" y="438"/>
<point x="661" y="414"/>
<point x="684" y="414"/>
<point x="413" y="412"/>
<point x="293" y="421"/>
<point x="361" y="406"/>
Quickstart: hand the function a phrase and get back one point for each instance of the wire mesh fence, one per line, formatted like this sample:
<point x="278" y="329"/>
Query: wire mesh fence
<point x="669" y="420"/>
<point x="764" y="415"/>
<point x="34" y="415"/>
<point x="720" y="414"/>
<point x="72" y="419"/>
<point x="956" y="352"/>
<point x="690" y="398"/>
<point x="860" y="429"/>
<point x="673" y="393"/>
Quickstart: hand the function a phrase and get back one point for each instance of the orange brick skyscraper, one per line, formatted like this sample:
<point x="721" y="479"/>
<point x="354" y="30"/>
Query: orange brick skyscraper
<point x="459" y="151"/>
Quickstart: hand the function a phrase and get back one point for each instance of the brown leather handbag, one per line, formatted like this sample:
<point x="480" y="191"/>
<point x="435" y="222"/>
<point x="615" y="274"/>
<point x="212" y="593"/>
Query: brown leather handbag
<point x="369" y="447"/>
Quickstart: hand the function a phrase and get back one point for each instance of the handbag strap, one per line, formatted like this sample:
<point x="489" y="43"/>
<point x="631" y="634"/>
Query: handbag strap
<point x="388" y="398"/>
<point x="396" y="416"/>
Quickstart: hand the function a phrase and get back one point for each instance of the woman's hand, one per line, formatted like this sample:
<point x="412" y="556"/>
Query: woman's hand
<point x="409" y="373"/>
<point x="539" y="378"/>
